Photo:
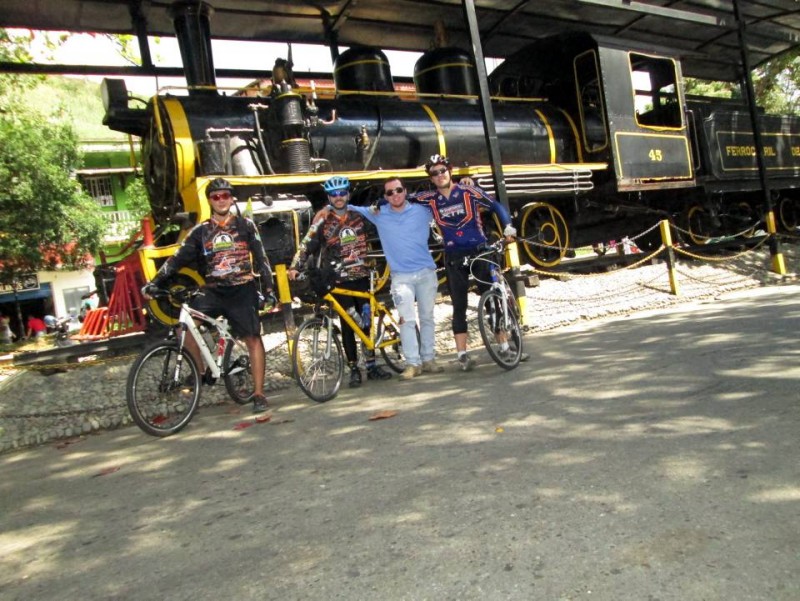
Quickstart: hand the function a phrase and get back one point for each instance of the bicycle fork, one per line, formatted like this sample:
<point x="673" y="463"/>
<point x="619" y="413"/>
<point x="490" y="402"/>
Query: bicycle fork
<point x="328" y="345"/>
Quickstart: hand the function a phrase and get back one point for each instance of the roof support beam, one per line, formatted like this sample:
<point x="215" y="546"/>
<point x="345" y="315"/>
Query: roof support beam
<point x="489" y="129"/>
<point x="661" y="11"/>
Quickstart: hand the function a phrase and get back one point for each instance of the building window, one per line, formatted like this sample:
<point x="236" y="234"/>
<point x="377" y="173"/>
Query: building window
<point x="73" y="300"/>
<point x="100" y="189"/>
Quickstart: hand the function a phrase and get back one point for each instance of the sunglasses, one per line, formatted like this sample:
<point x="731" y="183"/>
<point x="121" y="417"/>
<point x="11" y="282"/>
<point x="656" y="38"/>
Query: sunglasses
<point x="389" y="193"/>
<point x="338" y="193"/>
<point x="220" y="196"/>
<point x="435" y="172"/>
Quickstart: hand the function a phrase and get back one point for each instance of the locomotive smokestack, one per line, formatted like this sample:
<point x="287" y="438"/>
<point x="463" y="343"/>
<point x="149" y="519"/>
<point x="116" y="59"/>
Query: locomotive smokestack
<point x="194" y="38"/>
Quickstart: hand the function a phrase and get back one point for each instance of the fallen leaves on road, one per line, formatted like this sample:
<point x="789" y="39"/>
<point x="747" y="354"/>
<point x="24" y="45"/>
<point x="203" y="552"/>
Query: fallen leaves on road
<point x="386" y="414"/>
<point x="106" y="471"/>
<point x="65" y="443"/>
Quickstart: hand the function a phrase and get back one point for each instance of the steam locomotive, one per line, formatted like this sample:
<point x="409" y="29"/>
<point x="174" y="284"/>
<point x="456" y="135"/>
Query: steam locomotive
<point x="597" y="140"/>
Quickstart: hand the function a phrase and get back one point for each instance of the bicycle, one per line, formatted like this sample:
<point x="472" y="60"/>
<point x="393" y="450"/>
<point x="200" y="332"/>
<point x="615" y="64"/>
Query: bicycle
<point x="317" y="355"/>
<point x="498" y="312"/>
<point x="163" y="386"/>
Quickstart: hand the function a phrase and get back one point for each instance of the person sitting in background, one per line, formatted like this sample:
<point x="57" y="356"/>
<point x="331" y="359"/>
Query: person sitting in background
<point x="6" y="336"/>
<point x="50" y="323"/>
<point x="36" y="327"/>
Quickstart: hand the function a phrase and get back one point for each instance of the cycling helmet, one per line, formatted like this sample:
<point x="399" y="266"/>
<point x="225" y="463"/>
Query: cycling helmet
<point x="437" y="159"/>
<point x="218" y="184"/>
<point x="337" y="182"/>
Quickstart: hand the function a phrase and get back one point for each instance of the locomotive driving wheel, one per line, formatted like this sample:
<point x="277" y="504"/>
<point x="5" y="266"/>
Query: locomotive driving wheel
<point x="544" y="233"/>
<point x="789" y="213"/>
<point x="698" y="225"/>
<point x="745" y="214"/>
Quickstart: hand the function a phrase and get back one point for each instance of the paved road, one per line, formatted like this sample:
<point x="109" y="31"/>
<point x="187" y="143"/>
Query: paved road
<point x="648" y="458"/>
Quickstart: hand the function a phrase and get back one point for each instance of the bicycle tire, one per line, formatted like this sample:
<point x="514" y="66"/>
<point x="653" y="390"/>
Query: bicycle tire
<point x="237" y="374"/>
<point x="319" y="377"/>
<point x="161" y="401"/>
<point x="392" y="354"/>
<point x="491" y="320"/>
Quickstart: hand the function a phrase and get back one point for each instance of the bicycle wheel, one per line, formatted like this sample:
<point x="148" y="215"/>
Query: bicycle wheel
<point x="163" y="389"/>
<point x="236" y="372"/>
<point x="317" y="360"/>
<point x="494" y="324"/>
<point x="392" y="353"/>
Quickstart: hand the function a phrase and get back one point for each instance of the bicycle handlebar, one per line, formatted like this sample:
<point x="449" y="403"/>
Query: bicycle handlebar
<point x="180" y="295"/>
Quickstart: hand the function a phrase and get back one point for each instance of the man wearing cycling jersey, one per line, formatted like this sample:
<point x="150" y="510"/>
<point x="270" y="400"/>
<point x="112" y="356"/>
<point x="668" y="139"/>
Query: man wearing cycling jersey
<point x="221" y="248"/>
<point x="344" y="236"/>
<point x="456" y="208"/>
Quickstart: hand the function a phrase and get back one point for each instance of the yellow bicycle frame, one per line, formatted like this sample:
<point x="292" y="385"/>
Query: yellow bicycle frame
<point x="376" y="309"/>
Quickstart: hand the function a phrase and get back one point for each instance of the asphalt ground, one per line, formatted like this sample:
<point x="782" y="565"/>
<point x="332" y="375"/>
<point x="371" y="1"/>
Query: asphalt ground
<point x="652" y="457"/>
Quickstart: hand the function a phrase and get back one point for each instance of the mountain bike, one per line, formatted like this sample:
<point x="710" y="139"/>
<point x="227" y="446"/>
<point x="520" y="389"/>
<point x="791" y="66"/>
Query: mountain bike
<point x="318" y="358"/>
<point x="163" y="387"/>
<point x="498" y="312"/>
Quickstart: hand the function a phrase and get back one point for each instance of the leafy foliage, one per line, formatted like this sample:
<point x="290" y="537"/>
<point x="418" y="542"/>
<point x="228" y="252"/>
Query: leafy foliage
<point x="776" y="85"/>
<point x="46" y="219"/>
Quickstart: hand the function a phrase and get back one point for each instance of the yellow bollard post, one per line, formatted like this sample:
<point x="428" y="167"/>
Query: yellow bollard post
<point x="778" y="266"/>
<point x="666" y="239"/>
<point x="512" y="259"/>
<point x="285" y="299"/>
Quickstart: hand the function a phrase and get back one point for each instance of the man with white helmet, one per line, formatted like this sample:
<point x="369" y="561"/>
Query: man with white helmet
<point x="456" y="208"/>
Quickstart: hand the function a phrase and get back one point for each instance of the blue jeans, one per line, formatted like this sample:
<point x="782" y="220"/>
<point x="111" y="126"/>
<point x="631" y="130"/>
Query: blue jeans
<point x="406" y="288"/>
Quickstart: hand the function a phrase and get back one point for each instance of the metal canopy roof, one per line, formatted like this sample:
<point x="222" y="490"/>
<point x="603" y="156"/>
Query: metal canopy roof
<point x="703" y="33"/>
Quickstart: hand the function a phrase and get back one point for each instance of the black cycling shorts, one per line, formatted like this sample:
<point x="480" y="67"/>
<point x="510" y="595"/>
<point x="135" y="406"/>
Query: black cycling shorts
<point x="239" y="304"/>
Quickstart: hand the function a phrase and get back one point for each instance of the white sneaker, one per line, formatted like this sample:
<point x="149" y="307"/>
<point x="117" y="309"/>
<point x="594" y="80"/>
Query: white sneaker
<point x="508" y="354"/>
<point x="466" y="363"/>
<point x="411" y="371"/>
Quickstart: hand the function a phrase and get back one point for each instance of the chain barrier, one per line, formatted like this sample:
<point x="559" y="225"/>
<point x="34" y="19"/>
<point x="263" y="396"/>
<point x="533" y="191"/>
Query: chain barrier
<point x="743" y="233"/>
<point x="699" y="257"/>
<point x="570" y="276"/>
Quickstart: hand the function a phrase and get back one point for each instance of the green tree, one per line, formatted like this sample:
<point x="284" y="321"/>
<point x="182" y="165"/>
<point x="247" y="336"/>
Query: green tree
<point x="46" y="219"/>
<point x="777" y="84"/>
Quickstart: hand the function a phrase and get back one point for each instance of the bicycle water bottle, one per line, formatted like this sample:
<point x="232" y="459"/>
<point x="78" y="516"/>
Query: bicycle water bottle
<point x="207" y="337"/>
<point x="351" y="311"/>
<point x="366" y="323"/>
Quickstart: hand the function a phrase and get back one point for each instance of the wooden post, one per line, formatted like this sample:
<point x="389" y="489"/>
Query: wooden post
<point x="666" y="238"/>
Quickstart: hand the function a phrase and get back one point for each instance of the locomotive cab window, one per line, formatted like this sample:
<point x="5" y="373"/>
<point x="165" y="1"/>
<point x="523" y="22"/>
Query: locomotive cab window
<point x="590" y="101"/>
<point x="655" y="89"/>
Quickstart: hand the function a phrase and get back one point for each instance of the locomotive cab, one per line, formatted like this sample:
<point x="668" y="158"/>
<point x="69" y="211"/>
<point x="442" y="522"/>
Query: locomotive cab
<point x="627" y="106"/>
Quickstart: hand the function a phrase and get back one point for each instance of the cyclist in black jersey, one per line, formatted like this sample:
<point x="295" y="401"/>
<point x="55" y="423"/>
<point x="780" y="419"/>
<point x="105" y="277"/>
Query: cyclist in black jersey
<point x="343" y="234"/>
<point x="221" y="248"/>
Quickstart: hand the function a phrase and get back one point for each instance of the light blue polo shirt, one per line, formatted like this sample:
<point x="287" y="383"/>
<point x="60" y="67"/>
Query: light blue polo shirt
<point x="404" y="236"/>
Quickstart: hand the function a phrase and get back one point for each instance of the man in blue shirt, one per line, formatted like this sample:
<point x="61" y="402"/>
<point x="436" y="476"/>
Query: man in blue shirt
<point x="403" y="229"/>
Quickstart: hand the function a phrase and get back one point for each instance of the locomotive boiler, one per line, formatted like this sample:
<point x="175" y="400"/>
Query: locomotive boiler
<point x="596" y="138"/>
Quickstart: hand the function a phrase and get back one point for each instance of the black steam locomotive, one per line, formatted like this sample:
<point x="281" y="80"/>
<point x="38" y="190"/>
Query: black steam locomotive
<point x="597" y="140"/>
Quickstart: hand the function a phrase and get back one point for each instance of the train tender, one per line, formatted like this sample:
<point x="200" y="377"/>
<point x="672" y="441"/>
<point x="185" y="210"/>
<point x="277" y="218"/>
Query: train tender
<point x="597" y="141"/>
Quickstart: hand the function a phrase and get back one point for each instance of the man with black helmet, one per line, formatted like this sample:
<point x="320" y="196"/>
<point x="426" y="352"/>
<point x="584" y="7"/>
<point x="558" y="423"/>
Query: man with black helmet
<point x="456" y="208"/>
<point x="343" y="234"/>
<point x="221" y="249"/>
